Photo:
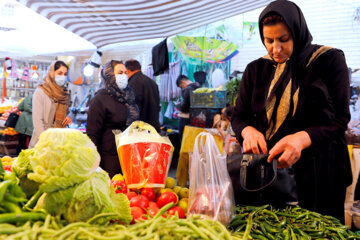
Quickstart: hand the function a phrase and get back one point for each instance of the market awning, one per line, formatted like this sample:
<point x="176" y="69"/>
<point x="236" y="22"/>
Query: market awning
<point x="113" y="21"/>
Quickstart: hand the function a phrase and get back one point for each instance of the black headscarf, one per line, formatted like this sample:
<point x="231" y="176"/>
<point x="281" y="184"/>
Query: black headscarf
<point x="125" y="96"/>
<point x="296" y="23"/>
<point x="282" y="97"/>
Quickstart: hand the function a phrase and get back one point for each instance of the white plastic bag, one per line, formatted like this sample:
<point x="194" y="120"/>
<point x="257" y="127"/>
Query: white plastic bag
<point x="211" y="193"/>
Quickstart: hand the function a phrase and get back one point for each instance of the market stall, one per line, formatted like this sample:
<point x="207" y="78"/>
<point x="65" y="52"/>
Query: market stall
<point x="76" y="200"/>
<point x="57" y="190"/>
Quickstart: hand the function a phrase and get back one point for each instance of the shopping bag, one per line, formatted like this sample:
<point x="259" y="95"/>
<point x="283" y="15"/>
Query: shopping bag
<point x="211" y="193"/>
<point x="144" y="155"/>
<point x="12" y="120"/>
<point x="258" y="182"/>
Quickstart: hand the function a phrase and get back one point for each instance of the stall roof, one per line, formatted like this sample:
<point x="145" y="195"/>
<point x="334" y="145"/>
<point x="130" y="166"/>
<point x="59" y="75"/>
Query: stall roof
<point x="114" y="21"/>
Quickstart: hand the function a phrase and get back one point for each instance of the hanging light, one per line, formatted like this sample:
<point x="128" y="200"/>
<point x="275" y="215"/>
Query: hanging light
<point x="94" y="62"/>
<point x="88" y="70"/>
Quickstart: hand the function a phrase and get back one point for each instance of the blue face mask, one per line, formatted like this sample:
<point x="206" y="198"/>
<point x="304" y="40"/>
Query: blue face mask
<point x="121" y="80"/>
<point x="60" y="80"/>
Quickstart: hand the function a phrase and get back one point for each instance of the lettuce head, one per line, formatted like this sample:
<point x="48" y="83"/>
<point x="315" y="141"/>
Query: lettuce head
<point x="62" y="158"/>
<point x="84" y="200"/>
<point x="22" y="167"/>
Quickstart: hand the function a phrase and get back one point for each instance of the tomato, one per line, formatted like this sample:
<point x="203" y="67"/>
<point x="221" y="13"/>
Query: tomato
<point x="153" y="204"/>
<point x="165" y="198"/>
<point x="7" y="168"/>
<point x="139" y="201"/>
<point x="153" y="208"/>
<point x="149" y="193"/>
<point x="137" y="213"/>
<point x="130" y="195"/>
<point x="120" y="186"/>
<point x="176" y="209"/>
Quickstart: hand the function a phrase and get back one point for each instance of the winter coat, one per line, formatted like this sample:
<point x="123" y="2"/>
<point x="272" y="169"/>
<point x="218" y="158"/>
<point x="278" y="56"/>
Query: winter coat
<point x="43" y="108"/>
<point x="106" y="114"/>
<point x="184" y="106"/>
<point x="43" y="114"/>
<point x="24" y="124"/>
<point x="147" y="98"/>
<point x="322" y="110"/>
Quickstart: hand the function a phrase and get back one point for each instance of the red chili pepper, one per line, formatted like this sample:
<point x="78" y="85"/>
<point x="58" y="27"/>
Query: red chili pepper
<point x="120" y="186"/>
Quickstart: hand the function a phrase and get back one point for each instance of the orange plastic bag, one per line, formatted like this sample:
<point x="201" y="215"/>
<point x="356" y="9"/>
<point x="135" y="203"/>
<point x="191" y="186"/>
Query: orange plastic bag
<point x="145" y="156"/>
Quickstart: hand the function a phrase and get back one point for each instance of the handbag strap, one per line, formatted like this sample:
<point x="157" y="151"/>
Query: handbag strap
<point x="243" y="170"/>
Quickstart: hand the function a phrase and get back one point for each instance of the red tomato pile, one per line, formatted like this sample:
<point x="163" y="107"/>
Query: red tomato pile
<point x="147" y="204"/>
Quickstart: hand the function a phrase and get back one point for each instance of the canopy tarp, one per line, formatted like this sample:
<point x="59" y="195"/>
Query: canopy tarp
<point x="113" y="21"/>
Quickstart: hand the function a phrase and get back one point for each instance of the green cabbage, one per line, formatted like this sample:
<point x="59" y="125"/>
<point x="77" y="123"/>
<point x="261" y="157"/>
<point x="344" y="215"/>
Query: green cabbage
<point x="62" y="158"/>
<point x="65" y="164"/>
<point x="84" y="200"/>
<point x="21" y="167"/>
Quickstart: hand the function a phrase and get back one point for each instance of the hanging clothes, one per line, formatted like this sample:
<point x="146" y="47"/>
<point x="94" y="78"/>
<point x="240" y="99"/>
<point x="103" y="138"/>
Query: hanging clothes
<point x="175" y="70"/>
<point x="168" y="88"/>
<point x="160" y="58"/>
<point x="13" y="73"/>
<point x="150" y="72"/>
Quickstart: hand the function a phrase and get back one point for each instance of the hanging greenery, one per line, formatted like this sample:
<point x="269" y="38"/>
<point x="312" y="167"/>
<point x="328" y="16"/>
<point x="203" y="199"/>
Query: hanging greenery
<point x="232" y="90"/>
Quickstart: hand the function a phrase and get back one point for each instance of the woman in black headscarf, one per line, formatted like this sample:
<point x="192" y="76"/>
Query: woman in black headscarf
<point x="113" y="107"/>
<point x="294" y="105"/>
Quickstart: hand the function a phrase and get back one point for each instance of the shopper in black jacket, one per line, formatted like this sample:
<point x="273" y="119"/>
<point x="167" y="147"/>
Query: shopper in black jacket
<point x="112" y="108"/>
<point x="187" y="87"/>
<point x="294" y="104"/>
<point x="146" y="94"/>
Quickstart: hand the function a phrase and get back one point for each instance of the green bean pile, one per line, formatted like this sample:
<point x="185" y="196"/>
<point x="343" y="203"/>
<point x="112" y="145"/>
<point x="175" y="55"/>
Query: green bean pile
<point x="12" y="198"/>
<point x="290" y="223"/>
<point x="99" y="227"/>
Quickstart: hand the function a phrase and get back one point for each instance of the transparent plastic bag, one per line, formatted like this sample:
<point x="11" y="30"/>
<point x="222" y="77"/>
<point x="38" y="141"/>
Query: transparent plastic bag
<point x="211" y="193"/>
<point x="145" y="156"/>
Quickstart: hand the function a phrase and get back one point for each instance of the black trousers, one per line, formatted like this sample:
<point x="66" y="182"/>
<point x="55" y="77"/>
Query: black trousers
<point x="22" y="143"/>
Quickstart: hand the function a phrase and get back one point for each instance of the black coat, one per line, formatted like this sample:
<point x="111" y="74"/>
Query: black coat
<point x="323" y="171"/>
<point x="184" y="106"/>
<point x="147" y="98"/>
<point x="106" y="114"/>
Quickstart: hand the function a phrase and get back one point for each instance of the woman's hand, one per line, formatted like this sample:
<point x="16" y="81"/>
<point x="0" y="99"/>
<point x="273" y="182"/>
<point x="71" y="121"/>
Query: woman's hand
<point x="254" y="141"/>
<point x="290" y="148"/>
<point x="67" y="121"/>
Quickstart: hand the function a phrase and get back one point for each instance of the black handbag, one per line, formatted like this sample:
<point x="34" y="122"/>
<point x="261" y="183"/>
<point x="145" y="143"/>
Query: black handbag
<point x="258" y="182"/>
<point x="12" y="120"/>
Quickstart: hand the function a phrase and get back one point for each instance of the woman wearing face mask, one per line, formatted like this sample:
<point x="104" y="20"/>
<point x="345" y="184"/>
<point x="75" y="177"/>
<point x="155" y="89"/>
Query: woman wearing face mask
<point x="50" y="104"/>
<point x="113" y="107"/>
<point x="294" y="104"/>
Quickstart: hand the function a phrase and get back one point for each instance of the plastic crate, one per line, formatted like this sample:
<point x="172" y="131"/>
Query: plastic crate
<point x="203" y="117"/>
<point x="215" y="99"/>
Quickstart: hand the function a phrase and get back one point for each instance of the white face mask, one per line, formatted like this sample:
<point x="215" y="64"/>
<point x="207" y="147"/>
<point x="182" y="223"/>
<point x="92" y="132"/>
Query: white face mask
<point x="60" y="80"/>
<point x="121" y="80"/>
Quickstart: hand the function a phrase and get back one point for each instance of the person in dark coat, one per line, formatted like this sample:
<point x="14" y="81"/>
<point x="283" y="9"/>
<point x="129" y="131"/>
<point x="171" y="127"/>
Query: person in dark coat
<point x="24" y="125"/>
<point x="294" y="104"/>
<point x="113" y="107"/>
<point x="187" y="87"/>
<point x="146" y="94"/>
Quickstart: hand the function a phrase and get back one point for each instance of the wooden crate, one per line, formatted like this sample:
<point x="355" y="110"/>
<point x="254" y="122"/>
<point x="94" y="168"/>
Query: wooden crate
<point x="8" y="148"/>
